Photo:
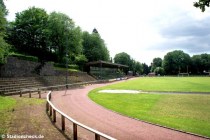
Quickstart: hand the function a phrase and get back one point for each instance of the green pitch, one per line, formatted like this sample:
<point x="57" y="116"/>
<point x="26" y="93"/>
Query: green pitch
<point x="187" y="112"/>
<point x="179" y="84"/>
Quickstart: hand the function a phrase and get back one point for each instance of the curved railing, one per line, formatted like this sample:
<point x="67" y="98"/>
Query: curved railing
<point x="52" y="112"/>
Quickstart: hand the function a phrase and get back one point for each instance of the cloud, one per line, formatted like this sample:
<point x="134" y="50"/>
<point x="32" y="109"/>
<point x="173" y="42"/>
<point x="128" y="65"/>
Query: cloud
<point x="185" y="33"/>
<point x="186" y="26"/>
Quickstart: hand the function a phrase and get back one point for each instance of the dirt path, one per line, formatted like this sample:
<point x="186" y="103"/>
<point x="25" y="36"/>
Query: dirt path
<point x="30" y="118"/>
<point x="77" y="105"/>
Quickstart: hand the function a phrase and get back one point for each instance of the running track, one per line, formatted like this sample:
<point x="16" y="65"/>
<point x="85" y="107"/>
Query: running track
<point x="76" y="104"/>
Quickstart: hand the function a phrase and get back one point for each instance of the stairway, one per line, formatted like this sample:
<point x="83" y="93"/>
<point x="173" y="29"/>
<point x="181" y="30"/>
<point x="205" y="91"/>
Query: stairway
<point x="10" y="86"/>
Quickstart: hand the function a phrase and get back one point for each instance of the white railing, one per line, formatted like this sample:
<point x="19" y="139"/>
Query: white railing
<point x="51" y="109"/>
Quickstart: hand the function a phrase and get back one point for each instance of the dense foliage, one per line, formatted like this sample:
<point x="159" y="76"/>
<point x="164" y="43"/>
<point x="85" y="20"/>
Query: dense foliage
<point x="54" y="37"/>
<point x="157" y="62"/>
<point x="176" y="62"/>
<point x="64" y="38"/>
<point x="28" y="32"/>
<point x="94" y="47"/>
<point x="125" y="59"/>
<point x="202" y="4"/>
<point x="4" y="47"/>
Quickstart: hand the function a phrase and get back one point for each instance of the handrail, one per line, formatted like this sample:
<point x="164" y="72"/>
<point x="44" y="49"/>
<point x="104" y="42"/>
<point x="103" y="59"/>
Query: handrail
<point x="51" y="107"/>
<point x="29" y="90"/>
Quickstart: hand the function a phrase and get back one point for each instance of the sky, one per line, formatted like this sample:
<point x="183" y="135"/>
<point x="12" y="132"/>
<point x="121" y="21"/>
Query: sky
<point x="143" y="29"/>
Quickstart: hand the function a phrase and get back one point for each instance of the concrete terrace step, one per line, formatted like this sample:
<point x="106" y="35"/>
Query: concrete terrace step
<point x="20" y="86"/>
<point x="19" y="83"/>
<point x="14" y="85"/>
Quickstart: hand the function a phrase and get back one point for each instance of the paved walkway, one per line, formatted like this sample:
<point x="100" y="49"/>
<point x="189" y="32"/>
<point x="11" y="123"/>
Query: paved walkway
<point x="76" y="104"/>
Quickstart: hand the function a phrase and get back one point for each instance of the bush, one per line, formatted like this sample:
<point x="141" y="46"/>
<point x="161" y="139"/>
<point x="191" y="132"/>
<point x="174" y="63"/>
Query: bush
<point x="159" y="70"/>
<point x="73" y="66"/>
<point x="25" y="57"/>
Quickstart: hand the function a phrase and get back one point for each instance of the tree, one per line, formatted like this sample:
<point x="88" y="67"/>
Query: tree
<point x="200" y="63"/>
<point x="64" y="37"/>
<point x="146" y="68"/>
<point x="3" y="8"/>
<point x="157" y="62"/>
<point x="159" y="71"/>
<point x="176" y="61"/>
<point x="139" y="67"/>
<point x="80" y="61"/>
<point x="4" y="47"/>
<point x="202" y="4"/>
<point x="122" y="58"/>
<point x="28" y="32"/>
<point x="196" y="64"/>
<point x="94" y="47"/>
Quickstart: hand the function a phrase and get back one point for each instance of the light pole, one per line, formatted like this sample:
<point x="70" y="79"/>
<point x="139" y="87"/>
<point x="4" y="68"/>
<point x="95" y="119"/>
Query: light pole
<point x="66" y="69"/>
<point x="66" y="55"/>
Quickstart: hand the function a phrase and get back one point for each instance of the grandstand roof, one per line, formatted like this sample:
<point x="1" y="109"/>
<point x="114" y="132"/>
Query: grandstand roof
<point x="106" y="64"/>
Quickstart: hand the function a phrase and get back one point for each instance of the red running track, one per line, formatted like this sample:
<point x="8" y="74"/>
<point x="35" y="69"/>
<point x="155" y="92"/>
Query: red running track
<point x="76" y="104"/>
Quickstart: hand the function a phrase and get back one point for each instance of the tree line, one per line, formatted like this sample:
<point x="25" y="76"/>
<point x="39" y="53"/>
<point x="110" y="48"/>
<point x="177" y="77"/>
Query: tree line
<point x="177" y="61"/>
<point x="50" y="37"/>
<point x="55" y="37"/>
<point x="173" y="63"/>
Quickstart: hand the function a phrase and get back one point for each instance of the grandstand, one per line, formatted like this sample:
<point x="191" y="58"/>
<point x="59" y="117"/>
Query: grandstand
<point x="22" y="78"/>
<point x="10" y="86"/>
<point x="106" y="70"/>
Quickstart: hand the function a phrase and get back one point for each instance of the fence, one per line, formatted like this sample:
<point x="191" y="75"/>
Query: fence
<point x="57" y="87"/>
<point x="52" y="110"/>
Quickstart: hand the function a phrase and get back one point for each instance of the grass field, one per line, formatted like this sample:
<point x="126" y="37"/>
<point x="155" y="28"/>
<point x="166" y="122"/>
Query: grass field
<point x="182" y="84"/>
<point x="187" y="112"/>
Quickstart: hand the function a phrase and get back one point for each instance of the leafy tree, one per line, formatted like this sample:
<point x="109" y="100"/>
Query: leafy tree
<point x="3" y="8"/>
<point x="205" y="62"/>
<point x="176" y="61"/>
<point x="157" y="62"/>
<point x="135" y="66"/>
<point x="200" y="63"/>
<point x="94" y="47"/>
<point x="64" y="37"/>
<point x="123" y="58"/>
<point x="146" y="68"/>
<point x="4" y="47"/>
<point x="159" y="70"/>
<point x="196" y="64"/>
<point x="80" y="61"/>
<point x="202" y="4"/>
<point x="132" y="65"/>
<point x="139" y="68"/>
<point x="28" y="32"/>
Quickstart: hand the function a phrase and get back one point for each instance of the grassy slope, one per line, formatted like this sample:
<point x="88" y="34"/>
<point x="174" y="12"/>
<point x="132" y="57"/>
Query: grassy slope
<point x="182" y="84"/>
<point x="185" y="112"/>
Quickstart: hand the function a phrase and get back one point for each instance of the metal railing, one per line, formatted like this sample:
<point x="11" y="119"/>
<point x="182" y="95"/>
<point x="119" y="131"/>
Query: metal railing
<point x="51" y="109"/>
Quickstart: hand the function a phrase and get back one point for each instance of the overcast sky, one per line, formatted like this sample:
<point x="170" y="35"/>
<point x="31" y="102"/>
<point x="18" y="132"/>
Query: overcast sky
<point x="143" y="29"/>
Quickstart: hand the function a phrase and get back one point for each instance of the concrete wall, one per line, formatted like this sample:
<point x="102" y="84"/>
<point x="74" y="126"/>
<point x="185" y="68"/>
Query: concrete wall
<point x="16" y="67"/>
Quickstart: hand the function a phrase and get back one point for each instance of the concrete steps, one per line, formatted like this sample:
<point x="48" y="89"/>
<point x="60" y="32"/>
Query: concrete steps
<point x="15" y="85"/>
